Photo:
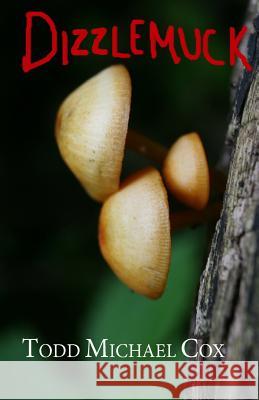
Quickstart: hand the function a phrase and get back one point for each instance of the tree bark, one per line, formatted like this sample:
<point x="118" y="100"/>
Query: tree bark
<point x="228" y="302"/>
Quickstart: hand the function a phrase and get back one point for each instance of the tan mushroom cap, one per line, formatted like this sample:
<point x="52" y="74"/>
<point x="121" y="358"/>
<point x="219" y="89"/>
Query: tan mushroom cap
<point x="186" y="171"/>
<point x="134" y="233"/>
<point x="91" y="129"/>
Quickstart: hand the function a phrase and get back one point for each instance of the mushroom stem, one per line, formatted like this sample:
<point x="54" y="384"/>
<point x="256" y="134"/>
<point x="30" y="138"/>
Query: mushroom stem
<point x="157" y="152"/>
<point x="188" y="218"/>
<point x="145" y="146"/>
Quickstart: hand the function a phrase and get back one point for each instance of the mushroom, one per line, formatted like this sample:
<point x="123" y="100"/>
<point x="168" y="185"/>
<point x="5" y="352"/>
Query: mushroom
<point x="184" y="166"/>
<point x="91" y="128"/>
<point x="134" y="225"/>
<point x="134" y="233"/>
<point x="186" y="171"/>
<point x="91" y="131"/>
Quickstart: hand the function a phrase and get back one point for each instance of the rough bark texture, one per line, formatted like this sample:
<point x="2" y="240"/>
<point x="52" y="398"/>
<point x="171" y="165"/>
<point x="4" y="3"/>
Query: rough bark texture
<point x="228" y="302"/>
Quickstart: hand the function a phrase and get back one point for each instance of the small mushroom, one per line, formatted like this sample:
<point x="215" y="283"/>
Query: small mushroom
<point x="91" y="128"/>
<point x="186" y="171"/>
<point x="134" y="233"/>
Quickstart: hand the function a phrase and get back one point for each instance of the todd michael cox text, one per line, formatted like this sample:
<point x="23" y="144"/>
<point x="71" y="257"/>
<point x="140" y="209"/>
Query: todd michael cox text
<point x="190" y="348"/>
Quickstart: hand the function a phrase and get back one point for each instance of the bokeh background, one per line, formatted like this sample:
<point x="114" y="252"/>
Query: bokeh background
<point x="54" y="283"/>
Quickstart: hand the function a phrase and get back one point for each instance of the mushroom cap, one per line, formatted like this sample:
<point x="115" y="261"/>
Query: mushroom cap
<point x="91" y="129"/>
<point x="134" y="233"/>
<point x="186" y="171"/>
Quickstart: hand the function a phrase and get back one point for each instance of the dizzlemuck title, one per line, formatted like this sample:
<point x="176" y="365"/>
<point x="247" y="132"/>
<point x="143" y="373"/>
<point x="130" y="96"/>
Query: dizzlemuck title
<point x="105" y="41"/>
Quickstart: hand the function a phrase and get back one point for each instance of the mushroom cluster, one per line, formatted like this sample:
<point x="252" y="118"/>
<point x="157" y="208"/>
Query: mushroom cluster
<point x="135" y="222"/>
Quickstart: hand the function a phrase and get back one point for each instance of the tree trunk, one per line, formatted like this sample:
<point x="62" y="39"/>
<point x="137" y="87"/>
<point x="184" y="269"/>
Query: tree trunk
<point x="228" y="302"/>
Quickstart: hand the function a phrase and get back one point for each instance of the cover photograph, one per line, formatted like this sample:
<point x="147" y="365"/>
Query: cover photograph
<point x="129" y="166"/>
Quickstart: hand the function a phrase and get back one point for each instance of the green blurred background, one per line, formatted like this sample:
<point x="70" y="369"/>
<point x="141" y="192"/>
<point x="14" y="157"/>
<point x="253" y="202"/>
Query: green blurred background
<point x="54" y="283"/>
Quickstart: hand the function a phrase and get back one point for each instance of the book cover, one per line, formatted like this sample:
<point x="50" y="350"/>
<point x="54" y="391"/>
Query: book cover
<point x="130" y="197"/>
